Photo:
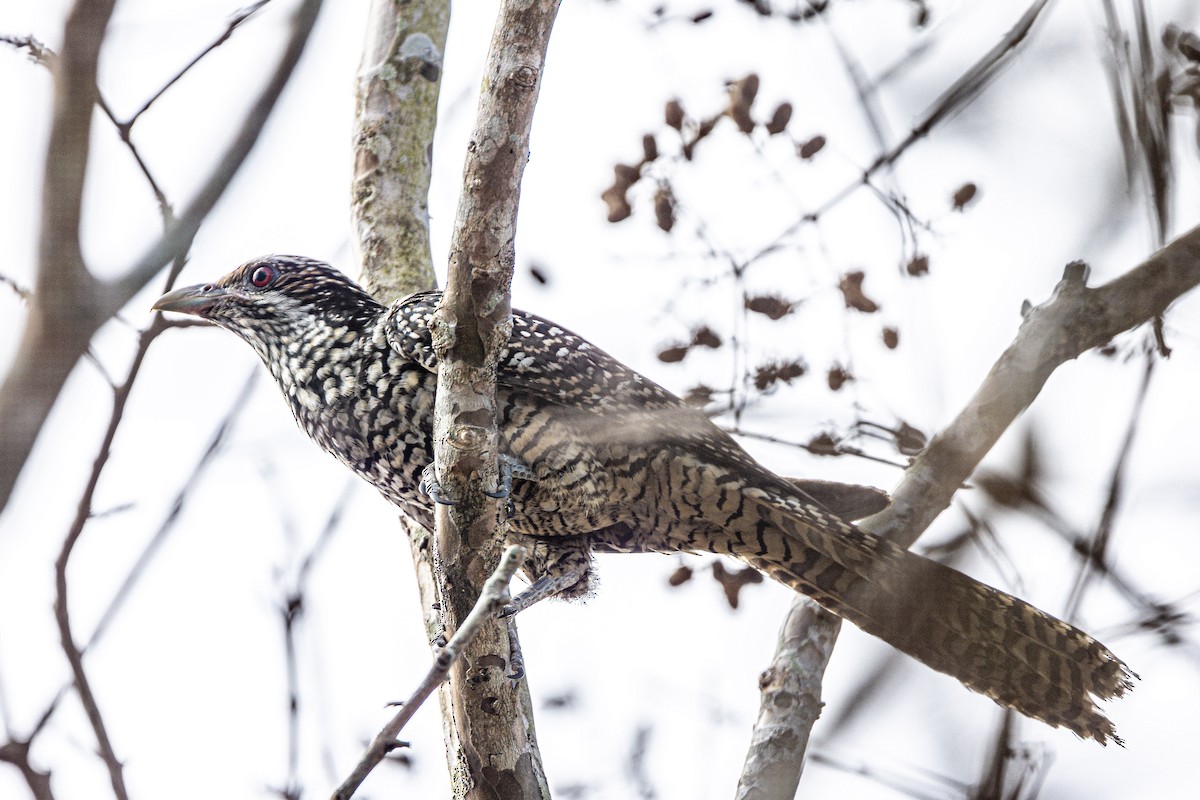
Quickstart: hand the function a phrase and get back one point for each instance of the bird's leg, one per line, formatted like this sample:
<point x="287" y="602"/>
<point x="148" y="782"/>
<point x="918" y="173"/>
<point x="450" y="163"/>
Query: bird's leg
<point x="556" y="566"/>
<point x="559" y="566"/>
<point x="544" y="587"/>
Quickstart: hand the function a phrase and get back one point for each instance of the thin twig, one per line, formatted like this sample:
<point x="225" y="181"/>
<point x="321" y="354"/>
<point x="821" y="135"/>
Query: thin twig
<point x="491" y="600"/>
<point x="1098" y="543"/>
<point x="239" y="16"/>
<point x="954" y="99"/>
<point x="291" y="612"/>
<point x="62" y="605"/>
<point x="75" y="304"/>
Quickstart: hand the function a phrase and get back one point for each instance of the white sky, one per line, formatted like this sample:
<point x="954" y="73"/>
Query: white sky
<point x="191" y="676"/>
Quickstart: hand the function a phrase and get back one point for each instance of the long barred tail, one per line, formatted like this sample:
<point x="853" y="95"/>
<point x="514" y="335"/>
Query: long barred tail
<point x="994" y="643"/>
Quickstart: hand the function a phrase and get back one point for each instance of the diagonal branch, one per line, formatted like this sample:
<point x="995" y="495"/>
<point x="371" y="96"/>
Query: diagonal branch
<point x="69" y="305"/>
<point x="1074" y="320"/>
<point x="491" y="599"/>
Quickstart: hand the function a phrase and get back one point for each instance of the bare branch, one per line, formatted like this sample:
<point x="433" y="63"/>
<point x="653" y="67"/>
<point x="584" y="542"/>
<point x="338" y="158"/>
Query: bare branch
<point x="70" y="305"/>
<point x="487" y="606"/>
<point x="791" y="703"/>
<point x="492" y="741"/>
<point x="396" y="98"/>
<point x="178" y="237"/>
<point x="17" y="753"/>
<point x="1074" y="320"/>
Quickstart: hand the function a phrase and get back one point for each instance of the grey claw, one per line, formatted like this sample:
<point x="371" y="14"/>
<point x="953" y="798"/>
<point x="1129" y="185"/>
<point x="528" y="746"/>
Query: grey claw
<point x="430" y="487"/>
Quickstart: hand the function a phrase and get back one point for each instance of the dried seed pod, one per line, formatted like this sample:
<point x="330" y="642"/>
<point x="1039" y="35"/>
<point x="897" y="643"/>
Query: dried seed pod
<point x="852" y="293"/>
<point x="664" y="209"/>
<point x="838" y="377"/>
<point x="910" y="440"/>
<point x="741" y="97"/>
<point x="964" y="195"/>
<point x="649" y="148"/>
<point x="673" y="354"/>
<point x="780" y="119"/>
<point x="810" y="148"/>
<point x="823" y="444"/>
<point x="674" y="114"/>
<point x="732" y="580"/>
<point x="618" y="204"/>
<point x="918" y="266"/>
<point x="767" y="375"/>
<point x="706" y="337"/>
<point x="769" y="305"/>
<point x="625" y="175"/>
<point x="681" y="575"/>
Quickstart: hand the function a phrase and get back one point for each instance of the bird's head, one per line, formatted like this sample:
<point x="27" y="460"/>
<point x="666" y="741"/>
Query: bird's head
<point x="275" y="300"/>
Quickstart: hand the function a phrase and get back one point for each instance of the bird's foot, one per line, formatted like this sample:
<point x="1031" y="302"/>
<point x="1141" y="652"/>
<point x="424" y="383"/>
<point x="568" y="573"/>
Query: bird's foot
<point x="510" y="468"/>
<point x="430" y="487"/>
<point x="516" y="659"/>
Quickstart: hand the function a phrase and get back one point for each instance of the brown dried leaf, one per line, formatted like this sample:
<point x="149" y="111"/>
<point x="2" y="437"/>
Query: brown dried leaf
<point x="918" y="266"/>
<point x="891" y="338"/>
<point x="852" y="293"/>
<point x="699" y="396"/>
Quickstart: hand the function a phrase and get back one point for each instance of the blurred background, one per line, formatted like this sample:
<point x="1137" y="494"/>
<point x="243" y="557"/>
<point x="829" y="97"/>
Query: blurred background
<point x="832" y="280"/>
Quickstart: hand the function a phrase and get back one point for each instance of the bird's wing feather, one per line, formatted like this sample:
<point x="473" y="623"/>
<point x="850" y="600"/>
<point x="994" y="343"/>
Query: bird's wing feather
<point x="541" y="359"/>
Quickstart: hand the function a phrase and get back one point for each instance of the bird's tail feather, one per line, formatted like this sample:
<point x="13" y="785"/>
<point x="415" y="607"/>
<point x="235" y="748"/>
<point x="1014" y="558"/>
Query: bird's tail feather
<point x="992" y="642"/>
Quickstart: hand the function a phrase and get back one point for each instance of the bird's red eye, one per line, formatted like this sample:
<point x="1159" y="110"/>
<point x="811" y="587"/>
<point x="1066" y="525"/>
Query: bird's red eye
<point x="262" y="276"/>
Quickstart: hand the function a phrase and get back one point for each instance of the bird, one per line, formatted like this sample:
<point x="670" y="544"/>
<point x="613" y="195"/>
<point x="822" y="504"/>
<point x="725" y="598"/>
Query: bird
<point x="602" y="460"/>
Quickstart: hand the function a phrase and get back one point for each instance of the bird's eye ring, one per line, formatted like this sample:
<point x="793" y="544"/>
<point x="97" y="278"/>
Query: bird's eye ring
<point x="262" y="276"/>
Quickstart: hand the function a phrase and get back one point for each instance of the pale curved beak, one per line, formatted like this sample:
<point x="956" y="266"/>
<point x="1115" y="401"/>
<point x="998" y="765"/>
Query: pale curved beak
<point x="191" y="299"/>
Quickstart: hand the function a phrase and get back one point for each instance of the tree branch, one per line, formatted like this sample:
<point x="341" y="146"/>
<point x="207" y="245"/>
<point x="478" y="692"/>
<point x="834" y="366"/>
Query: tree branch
<point x="1074" y="320"/>
<point x="492" y="747"/>
<point x="69" y="305"/>
<point x="490" y="601"/>
<point x="396" y="96"/>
